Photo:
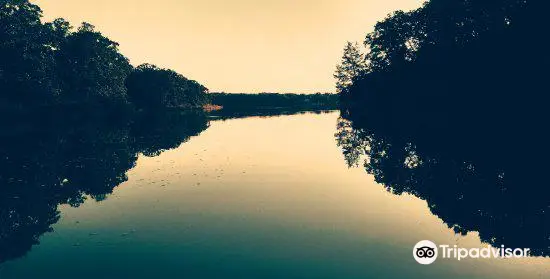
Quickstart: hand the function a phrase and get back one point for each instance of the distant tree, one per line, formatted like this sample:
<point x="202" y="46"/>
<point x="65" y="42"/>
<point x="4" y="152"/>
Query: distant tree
<point x="152" y="87"/>
<point x="91" y="66"/>
<point x="352" y="66"/>
<point x="247" y="102"/>
<point x="197" y="93"/>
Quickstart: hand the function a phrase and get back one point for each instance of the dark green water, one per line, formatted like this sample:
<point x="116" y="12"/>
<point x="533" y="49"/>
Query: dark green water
<point x="246" y="198"/>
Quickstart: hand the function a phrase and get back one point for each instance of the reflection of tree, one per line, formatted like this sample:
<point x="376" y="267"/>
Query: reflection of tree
<point x="351" y="141"/>
<point x="505" y="200"/>
<point x="262" y="113"/>
<point x="159" y="131"/>
<point x="65" y="161"/>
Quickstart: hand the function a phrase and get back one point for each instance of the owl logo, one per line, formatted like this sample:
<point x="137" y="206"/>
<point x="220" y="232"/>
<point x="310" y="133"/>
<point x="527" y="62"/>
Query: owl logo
<point x="425" y="252"/>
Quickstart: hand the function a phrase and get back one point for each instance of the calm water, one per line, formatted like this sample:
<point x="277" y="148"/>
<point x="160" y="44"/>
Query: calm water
<point x="246" y="198"/>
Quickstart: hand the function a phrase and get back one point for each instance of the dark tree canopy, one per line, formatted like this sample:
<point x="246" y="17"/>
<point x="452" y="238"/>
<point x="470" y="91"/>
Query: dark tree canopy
<point x="27" y="64"/>
<point x="353" y="65"/>
<point x="263" y="101"/>
<point x="45" y="64"/>
<point x="450" y="57"/>
<point x="153" y="87"/>
<point x="454" y="68"/>
<point x="90" y="66"/>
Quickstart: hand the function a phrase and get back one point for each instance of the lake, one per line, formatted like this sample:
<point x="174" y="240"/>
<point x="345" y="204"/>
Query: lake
<point x="250" y="197"/>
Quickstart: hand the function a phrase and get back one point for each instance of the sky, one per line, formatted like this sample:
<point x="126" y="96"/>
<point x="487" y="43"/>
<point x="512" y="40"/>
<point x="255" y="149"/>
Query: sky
<point x="234" y="45"/>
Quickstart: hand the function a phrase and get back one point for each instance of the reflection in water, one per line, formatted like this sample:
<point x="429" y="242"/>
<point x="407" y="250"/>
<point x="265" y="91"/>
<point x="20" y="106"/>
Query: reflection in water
<point x="249" y="198"/>
<point x="266" y="112"/>
<point x="504" y="198"/>
<point x="64" y="161"/>
<point x="154" y="133"/>
<point x="54" y="160"/>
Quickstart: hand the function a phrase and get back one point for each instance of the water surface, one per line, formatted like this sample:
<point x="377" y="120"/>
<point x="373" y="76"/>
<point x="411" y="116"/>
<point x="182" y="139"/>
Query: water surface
<point x="250" y="198"/>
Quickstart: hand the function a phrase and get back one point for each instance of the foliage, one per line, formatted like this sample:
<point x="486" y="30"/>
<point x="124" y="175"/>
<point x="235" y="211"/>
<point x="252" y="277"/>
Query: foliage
<point x="455" y="61"/>
<point x="90" y="66"/>
<point x="27" y="64"/>
<point x="49" y="64"/>
<point x="243" y="101"/>
<point x="353" y="65"/>
<point x="153" y="87"/>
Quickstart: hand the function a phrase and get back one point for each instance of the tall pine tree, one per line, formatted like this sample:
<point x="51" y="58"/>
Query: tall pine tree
<point x="352" y="66"/>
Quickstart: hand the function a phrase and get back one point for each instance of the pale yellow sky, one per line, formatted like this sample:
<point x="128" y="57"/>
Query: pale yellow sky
<point x="235" y="45"/>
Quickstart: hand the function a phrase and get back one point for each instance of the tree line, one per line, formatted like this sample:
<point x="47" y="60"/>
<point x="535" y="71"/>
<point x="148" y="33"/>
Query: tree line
<point x="456" y="63"/>
<point x="52" y="63"/>
<point x="263" y="101"/>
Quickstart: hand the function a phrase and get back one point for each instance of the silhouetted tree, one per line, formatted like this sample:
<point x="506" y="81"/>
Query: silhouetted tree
<point x="49" y="64"/>
<point x="453" y="56"/>
<point x="91" y="67"/>
<point x="352" y="66"/>
<point x="27" y="64"/>
<point x="153" y="87"/>
<point x="267" y="101"/>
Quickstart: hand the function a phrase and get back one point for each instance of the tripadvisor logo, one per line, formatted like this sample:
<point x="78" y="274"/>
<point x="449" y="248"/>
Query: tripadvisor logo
<point x="426" y="252"/>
